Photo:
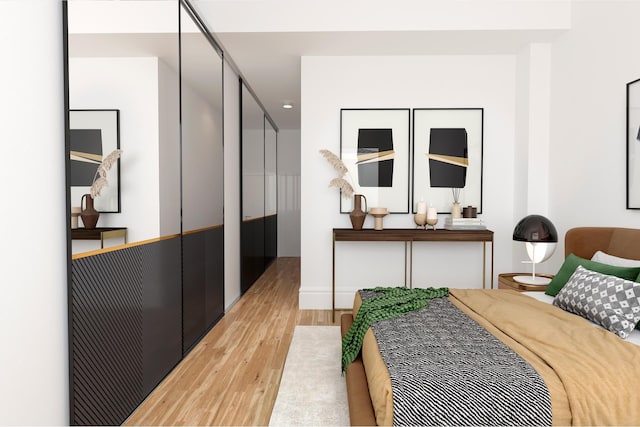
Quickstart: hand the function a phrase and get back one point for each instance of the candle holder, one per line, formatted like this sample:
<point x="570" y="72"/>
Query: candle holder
<point x="378" y="214"/>
<point x="75" y="213"/>
<point x="432" y="218"/>
<point x="431" y="222"/>
<point x="420" y="219"/>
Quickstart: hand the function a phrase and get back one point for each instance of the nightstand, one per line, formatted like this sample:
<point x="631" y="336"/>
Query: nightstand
<point x="505" y="281"/>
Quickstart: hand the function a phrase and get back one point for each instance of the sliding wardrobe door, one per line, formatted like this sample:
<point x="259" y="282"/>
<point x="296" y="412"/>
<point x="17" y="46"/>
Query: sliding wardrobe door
<point x="270" y="193"/>
<point x="253" y="196"/>
<point x="202" y="180"/>
<point x="125" y="299"/>
<point x="259" y="229"/>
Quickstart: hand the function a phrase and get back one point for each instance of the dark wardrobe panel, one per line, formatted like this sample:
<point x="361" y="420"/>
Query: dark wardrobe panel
<point x="253" y="261"/>
<point x="162" y="305"/>
<point x="270" y="239"/>
<point x="193" y="285"/>
<point x="214" y="290"/>
<point x="203" y="283"/>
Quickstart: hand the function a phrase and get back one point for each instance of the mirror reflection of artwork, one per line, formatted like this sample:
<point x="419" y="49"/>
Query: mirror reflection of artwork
<point x="448" y="157"/>
<point x="94" y="134"/>
<point x="86" y="155"/>
<point x="375" y="157"/>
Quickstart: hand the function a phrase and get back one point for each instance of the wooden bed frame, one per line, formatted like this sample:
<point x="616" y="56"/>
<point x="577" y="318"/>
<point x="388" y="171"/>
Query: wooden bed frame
<point x="581" y="241"/>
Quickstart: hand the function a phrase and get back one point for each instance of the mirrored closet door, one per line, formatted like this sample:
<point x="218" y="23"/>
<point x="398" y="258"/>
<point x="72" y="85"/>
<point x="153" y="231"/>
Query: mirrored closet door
<point x="146" y="280"/>
<point x="259" y="227"/>
<point x="202" y="180"/>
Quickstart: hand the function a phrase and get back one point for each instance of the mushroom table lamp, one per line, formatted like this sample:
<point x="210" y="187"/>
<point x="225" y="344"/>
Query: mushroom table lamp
<point x="540" y="237"/>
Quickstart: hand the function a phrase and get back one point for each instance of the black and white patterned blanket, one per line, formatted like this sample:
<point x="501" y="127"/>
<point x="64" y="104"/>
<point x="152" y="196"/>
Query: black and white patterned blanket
<point x="447" y="370"/>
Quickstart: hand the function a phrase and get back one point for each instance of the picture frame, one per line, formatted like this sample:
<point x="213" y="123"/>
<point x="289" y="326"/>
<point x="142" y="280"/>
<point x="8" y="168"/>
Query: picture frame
<point x="447" y="154"/>
<point x="633" y="144"/>
<point x="94" y="134"/>
<point x="374" y="146"/>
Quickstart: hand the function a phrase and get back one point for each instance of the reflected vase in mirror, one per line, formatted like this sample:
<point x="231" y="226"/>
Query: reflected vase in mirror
<point x="88" y="214"/>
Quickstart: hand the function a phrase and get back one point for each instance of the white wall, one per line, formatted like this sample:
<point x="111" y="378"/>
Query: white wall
<point x="33" y="299"/>
<point x="532" y="143"/>
<point x="289" y="193"/>
<point x="591" y="65"/>
<point x="332" y="83"/>
<point x="231" y="186"/>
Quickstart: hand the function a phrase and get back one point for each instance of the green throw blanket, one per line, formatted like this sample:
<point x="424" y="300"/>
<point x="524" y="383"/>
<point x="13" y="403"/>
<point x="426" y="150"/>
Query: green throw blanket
<point x="389" y="303"/>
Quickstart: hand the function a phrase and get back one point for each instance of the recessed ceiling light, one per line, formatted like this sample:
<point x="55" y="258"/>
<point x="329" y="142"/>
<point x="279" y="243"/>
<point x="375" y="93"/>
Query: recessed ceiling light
<point x="287" y="105"/>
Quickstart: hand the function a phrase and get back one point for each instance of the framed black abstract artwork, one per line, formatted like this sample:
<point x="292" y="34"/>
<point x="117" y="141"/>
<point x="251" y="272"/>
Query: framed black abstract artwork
<point x="94" y="134"/>
<point x="447" y="157"/>
<point x="374" y="146"/>
<point x="633" y="144"/>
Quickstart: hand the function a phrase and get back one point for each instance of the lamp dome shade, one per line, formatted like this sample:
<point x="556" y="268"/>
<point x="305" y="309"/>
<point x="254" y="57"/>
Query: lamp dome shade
<point x="535" y="228"/>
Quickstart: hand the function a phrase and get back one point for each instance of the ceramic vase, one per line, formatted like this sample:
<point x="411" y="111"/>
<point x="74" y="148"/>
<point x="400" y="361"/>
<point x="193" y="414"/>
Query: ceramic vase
<point x="357" y="215"/>
<point x="456" y="210"/>
<point x="88" y="214"/>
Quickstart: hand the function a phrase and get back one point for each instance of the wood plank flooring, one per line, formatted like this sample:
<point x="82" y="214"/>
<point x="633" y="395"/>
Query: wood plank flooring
<point x="232" y="376"/>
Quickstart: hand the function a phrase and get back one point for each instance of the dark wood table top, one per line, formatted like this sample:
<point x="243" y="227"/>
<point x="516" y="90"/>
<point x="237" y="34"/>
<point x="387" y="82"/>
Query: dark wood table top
<point x="411" y="234"/>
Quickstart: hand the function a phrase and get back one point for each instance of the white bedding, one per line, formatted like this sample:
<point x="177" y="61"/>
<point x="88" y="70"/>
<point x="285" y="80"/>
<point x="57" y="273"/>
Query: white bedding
<point x="634" y="337"/>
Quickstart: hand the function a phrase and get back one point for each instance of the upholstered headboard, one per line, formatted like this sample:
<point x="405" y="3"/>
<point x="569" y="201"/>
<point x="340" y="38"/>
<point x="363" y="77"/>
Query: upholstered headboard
<point x="620" y="242"/>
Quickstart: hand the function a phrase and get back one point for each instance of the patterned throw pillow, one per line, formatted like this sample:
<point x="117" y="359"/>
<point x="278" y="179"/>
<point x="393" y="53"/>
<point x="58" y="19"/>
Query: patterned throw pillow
<point x="609" y="301"/>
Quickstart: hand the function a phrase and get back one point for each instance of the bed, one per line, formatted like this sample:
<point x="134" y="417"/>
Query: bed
<point x="589" y="374"/>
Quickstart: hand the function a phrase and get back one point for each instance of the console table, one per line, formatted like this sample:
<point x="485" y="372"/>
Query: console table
<point x="99" y="233"/>
<point x="408" y="236"/>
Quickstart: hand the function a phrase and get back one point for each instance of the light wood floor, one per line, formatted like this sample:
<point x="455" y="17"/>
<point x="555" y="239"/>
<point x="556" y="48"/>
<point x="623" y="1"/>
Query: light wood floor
<point x="232" y="376"/>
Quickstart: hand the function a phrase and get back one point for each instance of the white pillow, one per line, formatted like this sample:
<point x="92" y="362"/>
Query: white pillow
<point x="605" y="258"/>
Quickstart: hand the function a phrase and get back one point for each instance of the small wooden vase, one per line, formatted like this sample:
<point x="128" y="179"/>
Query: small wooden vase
<point x="357" y="215"/>
<point x="88" y="214"/>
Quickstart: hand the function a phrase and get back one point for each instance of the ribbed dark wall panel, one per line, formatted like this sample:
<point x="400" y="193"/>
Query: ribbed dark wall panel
<point x="107" y="331"/>
<point x="203" y="283"/>
<point x="126" y="328"/>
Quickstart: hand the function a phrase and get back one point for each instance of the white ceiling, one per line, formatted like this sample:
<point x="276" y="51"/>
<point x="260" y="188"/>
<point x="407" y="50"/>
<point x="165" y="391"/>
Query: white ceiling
<point x="270" y="61"/>
<point x="266" y="39"/>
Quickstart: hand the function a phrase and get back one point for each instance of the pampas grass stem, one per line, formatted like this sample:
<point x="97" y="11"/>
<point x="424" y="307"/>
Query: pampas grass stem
<point x="341" y="181"/>
<point x="100" y="177"/>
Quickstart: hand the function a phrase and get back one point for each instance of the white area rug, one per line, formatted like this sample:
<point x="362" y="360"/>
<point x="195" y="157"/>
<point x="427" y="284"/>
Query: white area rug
<point x="312" y="391"/>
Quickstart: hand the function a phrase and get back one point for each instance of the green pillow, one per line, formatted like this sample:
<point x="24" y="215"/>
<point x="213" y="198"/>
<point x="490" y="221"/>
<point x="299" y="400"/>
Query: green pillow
<point x="572" y="262"/>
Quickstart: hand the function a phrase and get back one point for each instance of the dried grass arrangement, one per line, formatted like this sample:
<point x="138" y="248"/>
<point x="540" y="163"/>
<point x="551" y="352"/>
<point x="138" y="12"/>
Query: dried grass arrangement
<point x="341" y="181"/>
<point x="100" y="178"/>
